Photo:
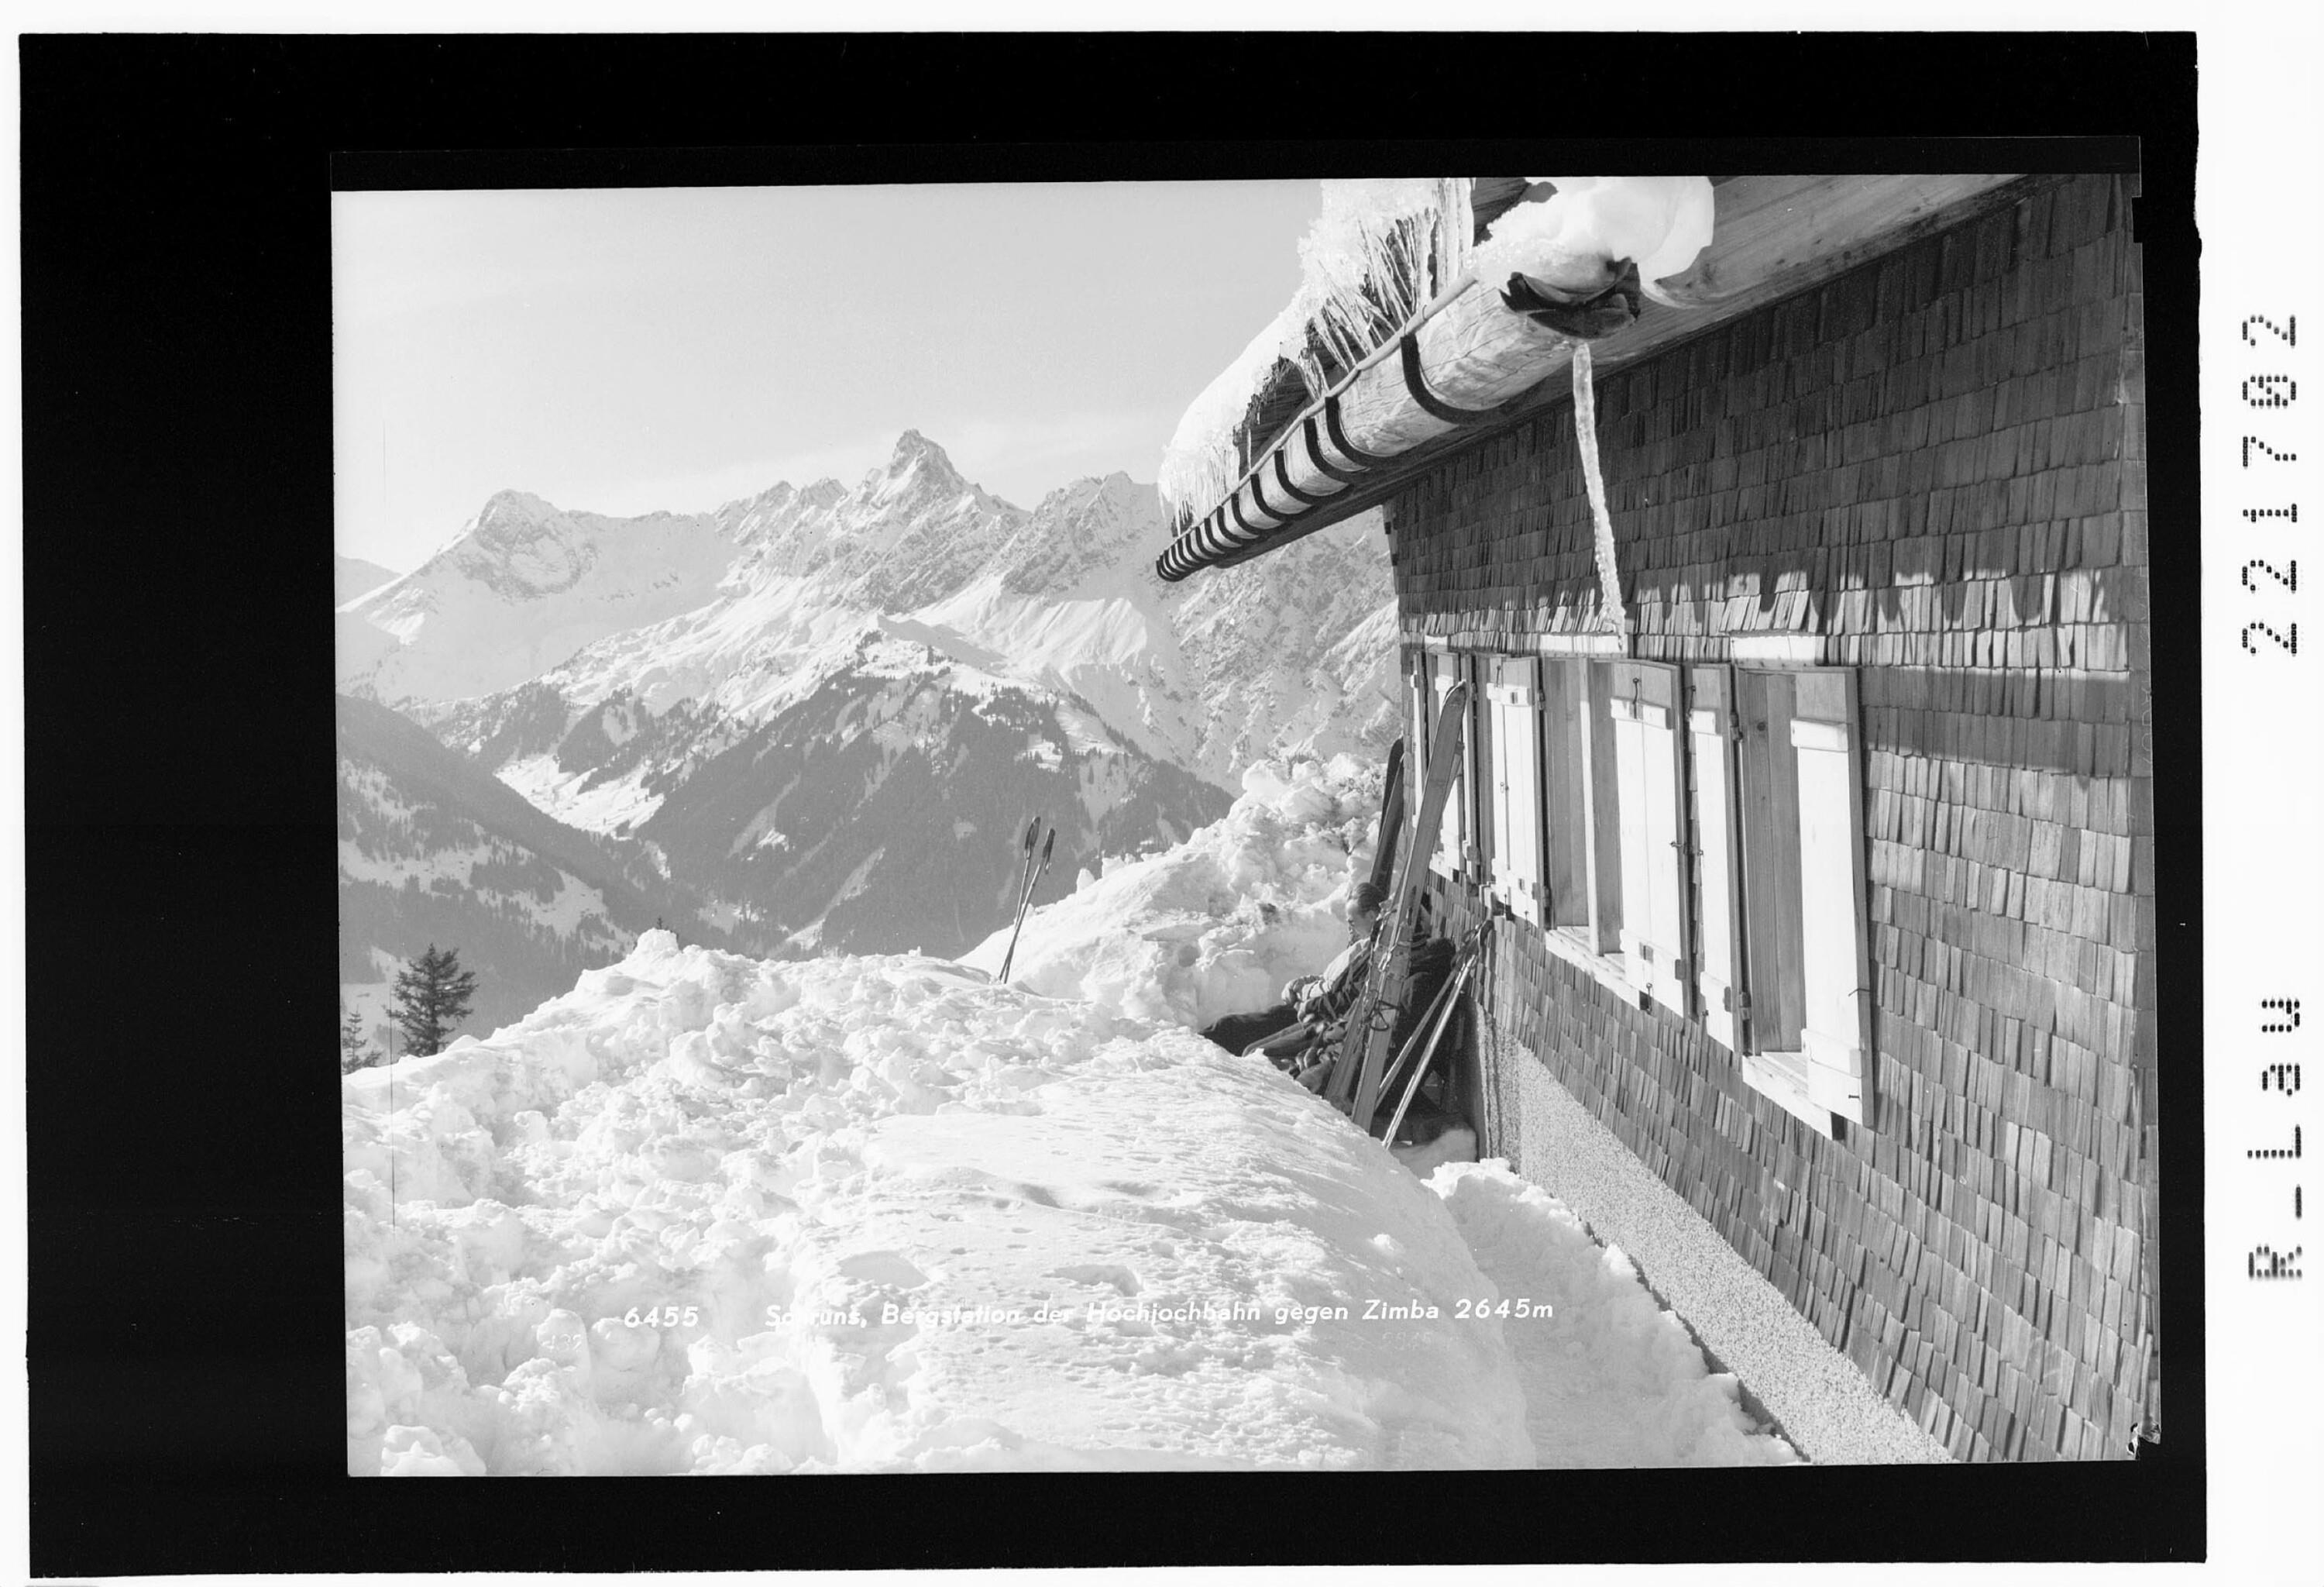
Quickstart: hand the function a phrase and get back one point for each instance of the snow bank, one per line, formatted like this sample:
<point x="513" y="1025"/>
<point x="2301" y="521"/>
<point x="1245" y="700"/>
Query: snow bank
<point x="711" y="1214"/>
<point x="1611" y="1379"/>
<point x="1217" y="925"/>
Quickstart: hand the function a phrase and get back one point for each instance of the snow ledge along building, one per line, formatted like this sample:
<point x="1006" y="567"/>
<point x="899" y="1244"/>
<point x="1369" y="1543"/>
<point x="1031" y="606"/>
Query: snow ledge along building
<point x="1810" y="770"/>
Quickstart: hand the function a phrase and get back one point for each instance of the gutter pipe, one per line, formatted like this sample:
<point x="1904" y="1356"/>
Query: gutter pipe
<point x="1455" y="363"/>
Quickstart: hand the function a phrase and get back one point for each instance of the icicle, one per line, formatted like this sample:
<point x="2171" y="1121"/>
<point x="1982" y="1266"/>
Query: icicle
<point x="1378" y="254"/>
<point x="1585" y="434"/>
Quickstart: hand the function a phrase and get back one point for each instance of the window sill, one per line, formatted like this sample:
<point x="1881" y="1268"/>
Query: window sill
<point x="1609" y="970"/>
<point x="1778" y="1077"/>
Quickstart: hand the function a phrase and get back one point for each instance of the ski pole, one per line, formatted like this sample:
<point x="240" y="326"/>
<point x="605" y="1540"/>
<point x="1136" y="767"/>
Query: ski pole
<point x="1025" y="906"/>
<point x="1428" y="1054"/>
<point x="1024" y="880"/>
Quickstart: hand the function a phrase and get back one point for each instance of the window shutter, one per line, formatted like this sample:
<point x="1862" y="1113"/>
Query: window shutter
<point x="1564" y="722"/>
<point x="1648" y="780"/>
<point x="1836" y="1035"/>
<point x="1476" y="770"/>
<point x="1516" y="702"/>
<point x="1718" y="976"/>
<point x="1601" y="820"/>
<point x="1767" y="800"/>
<point x="1497" y="709"/>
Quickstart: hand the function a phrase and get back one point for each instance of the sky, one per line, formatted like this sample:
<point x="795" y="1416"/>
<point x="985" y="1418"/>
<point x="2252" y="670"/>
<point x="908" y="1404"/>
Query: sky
<point x="634" y="350"/>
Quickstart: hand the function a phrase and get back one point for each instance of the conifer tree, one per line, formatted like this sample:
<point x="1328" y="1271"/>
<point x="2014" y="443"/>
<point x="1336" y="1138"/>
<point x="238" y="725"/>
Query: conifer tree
<point x="431" y="997"/>
<point x="353" y="1053"/>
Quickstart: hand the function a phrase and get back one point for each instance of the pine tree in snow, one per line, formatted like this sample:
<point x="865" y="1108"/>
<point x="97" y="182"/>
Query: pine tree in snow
<point x="353" y="1054"/>
<point x="431" y="996"/>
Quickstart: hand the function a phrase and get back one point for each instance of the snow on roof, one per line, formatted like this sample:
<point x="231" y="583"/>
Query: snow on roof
<point x="1361" y="278"/>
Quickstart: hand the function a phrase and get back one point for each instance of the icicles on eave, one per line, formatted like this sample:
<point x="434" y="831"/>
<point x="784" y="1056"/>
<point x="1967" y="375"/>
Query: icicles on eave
<point x="1377" y="253"/>
<point x="1202" y="462"/>
<point x="1464" y="356"/>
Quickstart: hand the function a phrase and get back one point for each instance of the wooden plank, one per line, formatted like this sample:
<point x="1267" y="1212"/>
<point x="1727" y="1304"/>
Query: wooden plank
<point x="1771" y="859"/>
<point x="1718" y="851"/>
<point x="1565" y="798"/>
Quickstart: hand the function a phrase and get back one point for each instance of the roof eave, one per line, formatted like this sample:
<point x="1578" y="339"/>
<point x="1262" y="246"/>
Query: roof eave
<point x="1775" y="237"/>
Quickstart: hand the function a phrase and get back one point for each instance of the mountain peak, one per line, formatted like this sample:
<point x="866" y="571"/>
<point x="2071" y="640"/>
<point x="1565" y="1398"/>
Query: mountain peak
<point x="915" y="453"/>
<point x="515" y="504"/>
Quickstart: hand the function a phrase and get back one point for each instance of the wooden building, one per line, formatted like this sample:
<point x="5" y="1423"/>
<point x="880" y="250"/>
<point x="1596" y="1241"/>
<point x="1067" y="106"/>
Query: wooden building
<point x="1821" y="855"/>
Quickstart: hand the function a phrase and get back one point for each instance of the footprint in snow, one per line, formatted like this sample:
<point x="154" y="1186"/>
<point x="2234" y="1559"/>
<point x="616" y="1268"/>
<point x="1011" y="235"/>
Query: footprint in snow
<point x="1121" y="1278"/>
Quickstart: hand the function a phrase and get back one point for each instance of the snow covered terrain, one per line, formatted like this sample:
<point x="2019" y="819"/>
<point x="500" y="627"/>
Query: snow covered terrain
<point x="711" y="1214"/>
<point x="1215" y="925"/>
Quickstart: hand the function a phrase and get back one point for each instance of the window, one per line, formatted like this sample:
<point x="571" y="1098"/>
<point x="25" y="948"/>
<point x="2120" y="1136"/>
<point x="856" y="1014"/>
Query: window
<point x="1691" y="836"/>
<point x="1799" y="804"/>
<point x="1455" y="845"/>
<point x="1581" y="851"/>
<point x="1648" y="779"/>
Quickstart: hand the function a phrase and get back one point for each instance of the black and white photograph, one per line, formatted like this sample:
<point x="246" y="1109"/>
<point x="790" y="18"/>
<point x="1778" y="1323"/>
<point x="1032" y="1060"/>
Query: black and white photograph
<point x="1556" y="871"/>
<point x="1006" y="803"/>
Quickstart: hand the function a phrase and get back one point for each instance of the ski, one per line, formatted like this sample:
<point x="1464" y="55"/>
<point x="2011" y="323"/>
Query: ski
<point x="1412" y="1042"/>
<point x="1453" y="986"/>
<point x="1391" y="821"/>
<point x="1355" y="1083"/>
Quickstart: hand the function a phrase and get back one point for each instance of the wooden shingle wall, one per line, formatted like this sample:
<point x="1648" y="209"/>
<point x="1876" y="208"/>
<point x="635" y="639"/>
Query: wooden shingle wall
<point x="1936" y="462"/>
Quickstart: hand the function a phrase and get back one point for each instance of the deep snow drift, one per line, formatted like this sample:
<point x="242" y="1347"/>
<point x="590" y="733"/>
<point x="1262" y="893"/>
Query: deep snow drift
<point x="1217" y="924"/>
<point x="706" y="1214"/>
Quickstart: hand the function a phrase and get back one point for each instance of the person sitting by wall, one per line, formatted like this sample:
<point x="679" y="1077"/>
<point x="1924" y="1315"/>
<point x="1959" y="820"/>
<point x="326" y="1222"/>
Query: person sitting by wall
<point x="1312" y="1003"/>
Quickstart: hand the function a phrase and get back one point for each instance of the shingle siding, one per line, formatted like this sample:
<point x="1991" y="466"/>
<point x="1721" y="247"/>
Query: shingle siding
<point x="1936" y="462"/>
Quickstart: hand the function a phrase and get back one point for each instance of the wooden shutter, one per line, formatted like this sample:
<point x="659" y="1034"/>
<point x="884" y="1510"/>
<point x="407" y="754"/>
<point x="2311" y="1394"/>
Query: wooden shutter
<point x="1717" y="853"/>
<point x="1767" y="807"/>
<point x="1836" y="1034"/>
<point x="1603" y="837"/>
<point x="1515" y="706"/>
<point x="1564" y="722"/>
<point x="1649" y="779"/>
<point x="1476" y="769"/>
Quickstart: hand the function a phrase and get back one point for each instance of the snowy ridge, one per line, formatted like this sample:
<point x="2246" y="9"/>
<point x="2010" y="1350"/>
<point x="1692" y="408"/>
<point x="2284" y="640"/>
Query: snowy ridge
<point x="352" y="577"/>
<point x="522" y="587"/>
<point x="746" y="610"/>
<point x="1219" y="923"/>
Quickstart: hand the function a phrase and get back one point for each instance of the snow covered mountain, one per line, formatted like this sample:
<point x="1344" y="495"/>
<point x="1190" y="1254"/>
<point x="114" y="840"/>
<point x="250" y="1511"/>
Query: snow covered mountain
<point x="833" y="708"/>
<point x="352" y="577"/>
<point x="433" y="849"/>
